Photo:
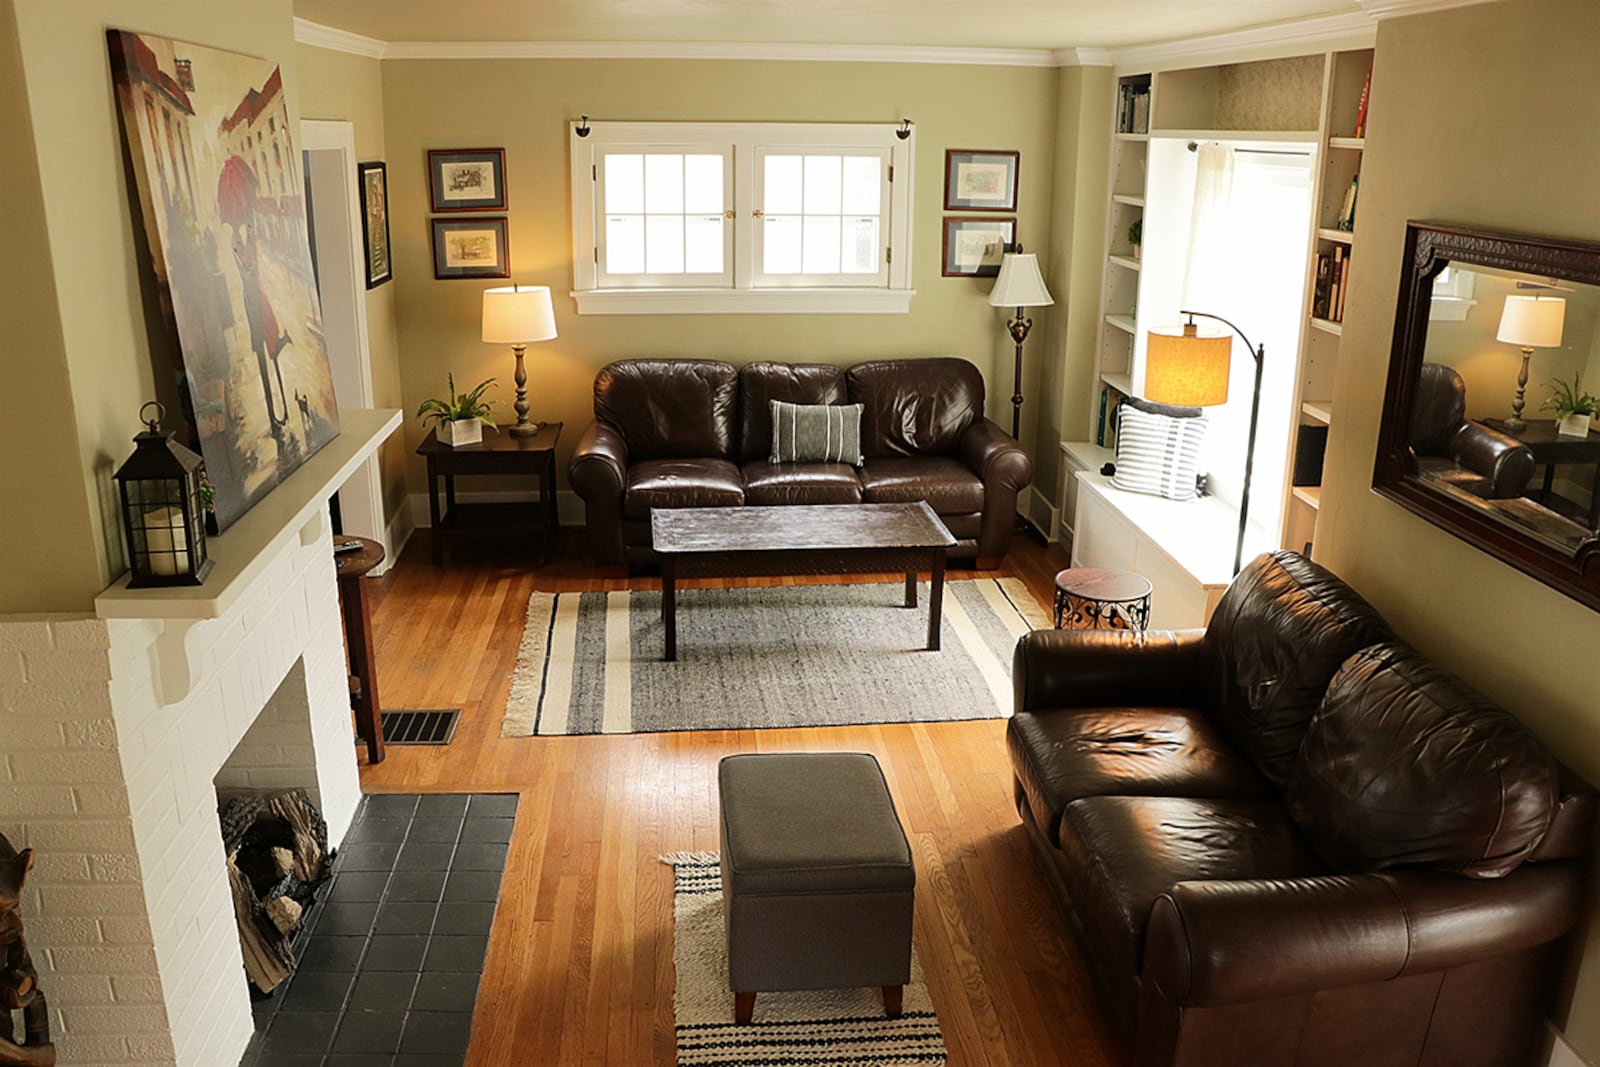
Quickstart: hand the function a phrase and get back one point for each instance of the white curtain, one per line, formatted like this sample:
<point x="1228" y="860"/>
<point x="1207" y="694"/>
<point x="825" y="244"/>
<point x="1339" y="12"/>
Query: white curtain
<point x="1206" y="274"/>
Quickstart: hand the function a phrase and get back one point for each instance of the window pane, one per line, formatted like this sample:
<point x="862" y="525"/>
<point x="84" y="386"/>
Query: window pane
<point x="863" y="185"/>
<point x="702" y="185"/>
<point x="702" y="244"/>
<point x="624" y="184"/>
<point x="821" y="255"/>
<point x="780" y="240"/>
<point x="663" y="244"/>
<point x="663" y="183"/>
<point x="861" y="246"/>
<point x="781" y="190"/>
<point x="822" y="185"/>
<point x="624" y="244"/>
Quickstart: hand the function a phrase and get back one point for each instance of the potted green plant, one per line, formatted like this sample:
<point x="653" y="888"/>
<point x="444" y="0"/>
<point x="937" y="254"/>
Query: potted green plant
<point x="1136" y="236"/>
<point x="1572" y="406"/>
<point x="458" y="419"/>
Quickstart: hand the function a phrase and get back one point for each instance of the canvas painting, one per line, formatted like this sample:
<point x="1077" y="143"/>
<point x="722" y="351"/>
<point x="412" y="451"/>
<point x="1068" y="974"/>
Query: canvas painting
<point x="219" y="188"/>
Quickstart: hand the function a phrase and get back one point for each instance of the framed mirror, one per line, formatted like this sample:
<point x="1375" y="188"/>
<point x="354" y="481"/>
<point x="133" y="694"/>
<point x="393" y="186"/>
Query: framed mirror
<point x="1496" y="336"/>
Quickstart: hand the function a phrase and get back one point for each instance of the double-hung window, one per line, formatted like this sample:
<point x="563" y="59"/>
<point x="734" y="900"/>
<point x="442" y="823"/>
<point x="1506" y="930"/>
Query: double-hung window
<point x="740" y="217"/>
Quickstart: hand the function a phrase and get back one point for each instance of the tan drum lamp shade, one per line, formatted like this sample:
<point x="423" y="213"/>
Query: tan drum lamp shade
<point x="1529" y="322"/>
<point x="1019" y="285"/>
<point x="519" y="315"/>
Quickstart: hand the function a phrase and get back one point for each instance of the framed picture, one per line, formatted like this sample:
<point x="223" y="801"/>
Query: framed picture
<point x="374" y="179"/>
<point x="980" y="181"/>
<point x="471" y="248"/>
<point x="467" y="179"/>
<point x="973" y="246"/>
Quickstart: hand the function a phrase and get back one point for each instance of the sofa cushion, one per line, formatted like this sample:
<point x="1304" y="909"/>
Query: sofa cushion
<point x="681" y="483"/>
<point x="1278" y="635"/>
<point x="914" y="407"/>
<point x="1119" y="853"/>
<point x="669" y="408"/>
<point x="1406" y="764"/>
<point x="762" y="382"/>
<point x="948" y="485"/>
<point x="1066" y="755"/>
<point x="768" y="484"/>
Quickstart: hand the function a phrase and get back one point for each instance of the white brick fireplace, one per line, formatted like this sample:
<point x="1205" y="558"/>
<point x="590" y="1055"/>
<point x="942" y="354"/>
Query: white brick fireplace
<point x="117" y="730"/>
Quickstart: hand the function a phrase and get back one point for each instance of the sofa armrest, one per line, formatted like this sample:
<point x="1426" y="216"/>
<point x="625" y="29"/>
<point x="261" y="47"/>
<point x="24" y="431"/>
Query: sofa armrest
<point x="1229" y="942"/>
<point x="1499" y="457"/>
<point x="599" y="475"/>
<point x="1107" y="668"/>
<point x="995" y="456"/>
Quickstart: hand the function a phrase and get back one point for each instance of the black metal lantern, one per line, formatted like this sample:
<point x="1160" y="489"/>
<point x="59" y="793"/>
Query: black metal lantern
<point x="162" y="513"/>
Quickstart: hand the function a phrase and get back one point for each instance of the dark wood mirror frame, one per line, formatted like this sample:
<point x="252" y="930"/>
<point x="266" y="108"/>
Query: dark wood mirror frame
<point x="1429" y="248"/>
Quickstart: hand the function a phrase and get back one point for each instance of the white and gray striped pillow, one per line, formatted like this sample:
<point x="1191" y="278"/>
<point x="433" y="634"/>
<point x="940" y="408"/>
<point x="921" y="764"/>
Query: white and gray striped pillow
<point x="816" y="433"/>
<point x="1157" y="453"/>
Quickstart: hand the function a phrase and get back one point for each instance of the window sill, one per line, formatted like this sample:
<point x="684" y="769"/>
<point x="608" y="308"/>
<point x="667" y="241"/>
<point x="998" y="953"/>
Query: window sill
<point x="744" y="301"/>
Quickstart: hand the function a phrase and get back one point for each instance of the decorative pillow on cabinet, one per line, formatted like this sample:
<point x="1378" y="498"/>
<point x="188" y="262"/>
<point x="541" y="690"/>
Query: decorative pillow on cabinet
<point x="1158" y="448"/>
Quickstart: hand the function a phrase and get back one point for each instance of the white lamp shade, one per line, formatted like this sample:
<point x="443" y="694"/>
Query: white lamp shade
<point x="1020" y="285"/>
<point x="1532" y="321"/>
<point x="1188" y="368"/>
<point x="518" y="315"/>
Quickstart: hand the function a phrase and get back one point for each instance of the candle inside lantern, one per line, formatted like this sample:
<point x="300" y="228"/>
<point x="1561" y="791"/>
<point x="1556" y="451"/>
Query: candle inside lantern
<point x="167" y="541"/>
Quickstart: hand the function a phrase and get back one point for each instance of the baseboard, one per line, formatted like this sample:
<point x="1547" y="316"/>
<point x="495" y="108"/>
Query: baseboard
<point x="1556" y="1052"/>
<point x="1040" y="513"/>
<point x="401" y="527"/>
<point x="569" y="505"/>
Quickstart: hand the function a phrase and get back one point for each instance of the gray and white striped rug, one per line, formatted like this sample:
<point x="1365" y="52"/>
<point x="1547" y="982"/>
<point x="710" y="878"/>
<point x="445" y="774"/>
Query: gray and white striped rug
<point x="818" y="655"/>
<point x="839" y="1027"/>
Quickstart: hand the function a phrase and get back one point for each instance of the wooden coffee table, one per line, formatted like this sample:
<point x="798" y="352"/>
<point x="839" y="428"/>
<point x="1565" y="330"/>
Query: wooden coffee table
<point x="800" y="539"/>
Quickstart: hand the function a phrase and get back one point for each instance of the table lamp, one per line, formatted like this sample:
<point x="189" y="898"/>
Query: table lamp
<point x="1529" y="322"/>
<point x="1020" y="286"/>
<point x="519" y="315"/>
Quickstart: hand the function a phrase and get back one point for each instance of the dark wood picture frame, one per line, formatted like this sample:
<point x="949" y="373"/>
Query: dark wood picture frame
<point x="455" y="174"/>
<point x="974" y="189"/>
<point x="372" y="179"/>
<point x="955" y="224"/>
<point x="444" y="268"/>
<point x="1429" y="248"/>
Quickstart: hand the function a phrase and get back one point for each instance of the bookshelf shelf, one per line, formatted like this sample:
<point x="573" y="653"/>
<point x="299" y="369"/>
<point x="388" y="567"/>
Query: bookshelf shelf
<point x="1125" y="262"/>
<point x="1318" y="411"/>
<point x="1122" y="383"/>
<point x="1343" y="237"/>
<point x="1133" y="136"/>
<point x="1353" y="144"/>
<point x="1328" y="326"/>
<point x="1309" y="495"/>
<point x="1128" y="199"/>
<point x="1123" y="323"/>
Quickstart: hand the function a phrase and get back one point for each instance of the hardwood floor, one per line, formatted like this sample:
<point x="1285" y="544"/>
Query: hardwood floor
<point x="579" y="969"/>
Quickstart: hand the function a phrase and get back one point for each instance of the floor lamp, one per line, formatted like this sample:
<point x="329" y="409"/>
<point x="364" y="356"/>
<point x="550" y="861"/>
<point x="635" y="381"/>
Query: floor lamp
<point x="1020" y="286"/>
<point x="519" y="315"/>
<point x="1188" y="368"/>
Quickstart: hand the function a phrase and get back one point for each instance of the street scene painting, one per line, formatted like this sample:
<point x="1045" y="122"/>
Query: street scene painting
<point x="220" y="193"/>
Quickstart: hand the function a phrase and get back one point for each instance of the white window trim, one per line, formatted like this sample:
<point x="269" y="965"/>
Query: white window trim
<point x="744" y="297"/>
<point x="1452" y="301"/>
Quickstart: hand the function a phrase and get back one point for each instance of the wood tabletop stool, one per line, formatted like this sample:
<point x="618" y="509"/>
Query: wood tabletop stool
<point x="817" y="878"/>
<point x="1095" y="598"/>
<point x="351" y="569"/>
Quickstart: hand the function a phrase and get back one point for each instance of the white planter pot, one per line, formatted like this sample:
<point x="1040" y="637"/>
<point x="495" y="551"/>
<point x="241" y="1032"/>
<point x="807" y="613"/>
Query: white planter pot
<point x="461" y="432"/>
<point x="1575" y="425"/>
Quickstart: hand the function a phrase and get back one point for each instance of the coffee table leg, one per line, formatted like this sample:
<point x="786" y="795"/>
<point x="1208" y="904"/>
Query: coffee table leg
<point x="911" y="589"/>
<point x="669" y="609"/>
<point x="935" y="603"/>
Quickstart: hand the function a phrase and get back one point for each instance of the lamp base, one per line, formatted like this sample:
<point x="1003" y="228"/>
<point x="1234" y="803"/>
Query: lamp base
<point x="1514" y="423"/>
<point x="525" y="429"/>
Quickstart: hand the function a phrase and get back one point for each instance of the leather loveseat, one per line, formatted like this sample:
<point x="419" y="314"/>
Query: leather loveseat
<point x="1289" y="839"/>
<point x="698" y="433"/>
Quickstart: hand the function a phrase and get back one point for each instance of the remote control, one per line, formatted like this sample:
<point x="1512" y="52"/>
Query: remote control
<point x="348" y="545"/>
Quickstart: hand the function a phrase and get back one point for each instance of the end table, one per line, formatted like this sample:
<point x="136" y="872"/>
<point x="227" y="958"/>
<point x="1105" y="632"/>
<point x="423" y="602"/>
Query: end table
<point x="498" y="453"/>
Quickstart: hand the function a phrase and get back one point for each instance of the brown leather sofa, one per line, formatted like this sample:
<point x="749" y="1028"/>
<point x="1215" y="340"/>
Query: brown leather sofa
<point x="1466" y="455"/>
<point x="672" y="433"/>
<point x="1289" y="839"/>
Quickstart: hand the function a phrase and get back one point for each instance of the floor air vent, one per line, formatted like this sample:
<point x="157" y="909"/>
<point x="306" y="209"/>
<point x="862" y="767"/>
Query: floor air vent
<point x="430" y="727"/>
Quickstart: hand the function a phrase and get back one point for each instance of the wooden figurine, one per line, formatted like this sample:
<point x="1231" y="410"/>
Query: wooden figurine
<point x="19" y="982"/>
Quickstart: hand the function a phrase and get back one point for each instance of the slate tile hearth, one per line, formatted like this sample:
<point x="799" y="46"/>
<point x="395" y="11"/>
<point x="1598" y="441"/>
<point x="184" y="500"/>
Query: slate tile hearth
<point x="389" y="974"/>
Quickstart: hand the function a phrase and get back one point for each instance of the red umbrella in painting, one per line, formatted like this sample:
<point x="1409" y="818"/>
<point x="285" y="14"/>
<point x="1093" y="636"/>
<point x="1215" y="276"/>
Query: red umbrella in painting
<point x="236" y="204"/>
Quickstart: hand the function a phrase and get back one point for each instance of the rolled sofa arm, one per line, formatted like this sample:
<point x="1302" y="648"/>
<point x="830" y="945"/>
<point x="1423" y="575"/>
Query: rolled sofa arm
<point x="599" y="475"/>
<point x="1107" y="668"/>
<point x="1499" y="457"/>
<point x="1229" y="942"/>
<point x="1005" y="470"/>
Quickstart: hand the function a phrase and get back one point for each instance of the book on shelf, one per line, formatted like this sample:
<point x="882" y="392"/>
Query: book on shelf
<point x="1361" y="110"/>
<point x="1336" y="282"/>
<point x="1100" y="423"/>
<point x="1347" y="210"/>
<point x="1323" y="290"/>
<point x="1344" y="287"/>
<point x="1133" y="109"/>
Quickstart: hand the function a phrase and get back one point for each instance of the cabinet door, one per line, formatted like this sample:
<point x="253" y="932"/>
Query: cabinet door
<point x="1101" y="537"/>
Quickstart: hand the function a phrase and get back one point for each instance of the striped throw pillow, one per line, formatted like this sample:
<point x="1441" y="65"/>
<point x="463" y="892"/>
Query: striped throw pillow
<point x="816" y="433"/>
<point x="1156" y="452"/>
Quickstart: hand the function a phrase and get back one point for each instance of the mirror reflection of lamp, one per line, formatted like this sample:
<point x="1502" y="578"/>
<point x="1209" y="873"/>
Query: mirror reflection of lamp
<point x="1529" y="322"/>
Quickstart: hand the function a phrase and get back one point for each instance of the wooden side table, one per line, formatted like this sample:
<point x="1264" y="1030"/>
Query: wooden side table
<point x="1551" y="448"/>
<point x="498" y="453"/>
<point x="351" y="569"/>
<point x="1096" y="598"/>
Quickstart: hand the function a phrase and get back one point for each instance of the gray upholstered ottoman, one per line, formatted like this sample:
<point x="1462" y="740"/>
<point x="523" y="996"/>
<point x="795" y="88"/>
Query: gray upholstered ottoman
<point x="817" y="879"/>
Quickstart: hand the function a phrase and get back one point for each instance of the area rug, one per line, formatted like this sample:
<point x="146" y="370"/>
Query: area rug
<point x="841" y="1027"/>
<point x="818" y="655"/>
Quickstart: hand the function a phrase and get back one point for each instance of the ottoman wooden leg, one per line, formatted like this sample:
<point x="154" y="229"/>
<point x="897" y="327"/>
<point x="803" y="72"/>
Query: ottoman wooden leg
<point x="892" y="1000"/>
<point x="744" y="1006"/>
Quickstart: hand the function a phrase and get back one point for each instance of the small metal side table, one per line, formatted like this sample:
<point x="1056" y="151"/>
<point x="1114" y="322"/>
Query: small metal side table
<point x="1094" y="598"/>
<point x="351" y="570"/>
<point x="497" y="453"/>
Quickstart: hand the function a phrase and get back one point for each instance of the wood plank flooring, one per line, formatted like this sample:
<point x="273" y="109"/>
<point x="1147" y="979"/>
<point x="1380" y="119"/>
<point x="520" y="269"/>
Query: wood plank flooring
<point x="579" y="969"/>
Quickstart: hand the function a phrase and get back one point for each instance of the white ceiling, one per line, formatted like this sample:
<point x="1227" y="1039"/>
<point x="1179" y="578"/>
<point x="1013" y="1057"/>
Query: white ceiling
<point x="1050" y="24"/>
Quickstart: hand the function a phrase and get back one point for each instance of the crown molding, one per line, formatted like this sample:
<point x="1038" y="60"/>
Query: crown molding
<point x="317" y="35"/>
<point x="814" y="53"/>
<point x="1356" y="28"/>
<point x="1081" y="57"/>
<point x="1382" y="9"/>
